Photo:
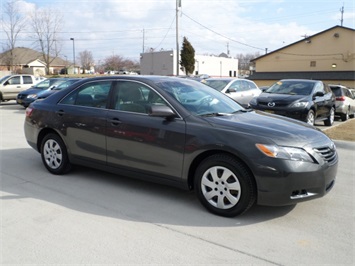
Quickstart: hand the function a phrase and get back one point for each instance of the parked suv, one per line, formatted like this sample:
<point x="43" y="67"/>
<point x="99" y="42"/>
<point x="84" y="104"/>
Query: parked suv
<point x="11" y="85"/>
<point x="302" y="99"/>
<point x="345" y="102"/>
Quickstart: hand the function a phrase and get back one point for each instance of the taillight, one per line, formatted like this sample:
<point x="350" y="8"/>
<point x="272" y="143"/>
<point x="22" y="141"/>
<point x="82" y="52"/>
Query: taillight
<point x="29" y="111"/>
<point x="341" y="98"/>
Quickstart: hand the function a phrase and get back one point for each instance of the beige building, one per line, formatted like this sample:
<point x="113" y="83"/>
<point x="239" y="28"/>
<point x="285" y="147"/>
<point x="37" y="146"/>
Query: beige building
<point x="328" y="56"/>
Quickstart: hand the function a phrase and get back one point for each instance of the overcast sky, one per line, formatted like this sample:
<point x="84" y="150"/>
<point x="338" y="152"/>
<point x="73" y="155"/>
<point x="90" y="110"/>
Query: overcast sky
<point x="126" y="27"/>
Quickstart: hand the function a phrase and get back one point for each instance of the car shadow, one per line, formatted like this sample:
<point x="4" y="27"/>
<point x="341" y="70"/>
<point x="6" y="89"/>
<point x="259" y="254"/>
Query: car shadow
<point x="104" y="194"/>
<point x="12" y="105"/>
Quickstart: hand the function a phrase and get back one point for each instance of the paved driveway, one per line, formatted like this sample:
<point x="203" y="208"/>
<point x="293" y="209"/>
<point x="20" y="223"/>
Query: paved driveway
<point x="91" y="217"/>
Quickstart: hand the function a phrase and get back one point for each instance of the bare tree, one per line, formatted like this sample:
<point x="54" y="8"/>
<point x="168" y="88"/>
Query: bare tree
<point x="13" y="24"/>
<point x="46" y="23"/>
<point x="86" y="60"/>
<point x="114" y="62"/>
<point x="244" y="60"/>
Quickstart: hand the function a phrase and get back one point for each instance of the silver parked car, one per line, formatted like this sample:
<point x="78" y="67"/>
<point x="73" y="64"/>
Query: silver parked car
<point x="345" y="102"/>
<point x="240" y="90"/>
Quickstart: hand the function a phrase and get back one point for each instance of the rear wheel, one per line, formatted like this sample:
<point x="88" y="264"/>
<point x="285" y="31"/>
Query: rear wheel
<point x="345" y="116"/>
<point x="224" y="186"/>
<point x="330" y="120"/>
<point x="54" y="154"/>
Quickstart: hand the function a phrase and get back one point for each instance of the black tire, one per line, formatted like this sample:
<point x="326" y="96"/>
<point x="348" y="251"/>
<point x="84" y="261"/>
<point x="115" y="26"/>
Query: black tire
<point x="54" y="154"/>
<point x="224" y="185"/>
<point x="310" y="117"/>
<point x="330" y="120"/>
<point x="345" y="116"/>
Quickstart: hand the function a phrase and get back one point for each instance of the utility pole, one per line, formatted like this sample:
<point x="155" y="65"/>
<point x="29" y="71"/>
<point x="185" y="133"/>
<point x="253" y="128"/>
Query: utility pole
<point x="143" y="42"/>
<point x="342" y="16"/>
<point x="178" y="4"/>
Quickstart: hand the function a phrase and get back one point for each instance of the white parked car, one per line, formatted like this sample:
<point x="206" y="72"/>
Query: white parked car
<point x="240" y="90"/>
<point x="11" y="85"/>
<point x="344" y="102"/>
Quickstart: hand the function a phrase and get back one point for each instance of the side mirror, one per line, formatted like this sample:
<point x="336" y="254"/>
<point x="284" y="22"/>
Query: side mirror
<point x="231" y="90"/>
<point x="318" y="94"/>
<point x="6" y="83"/>
<point x="161" y="111"/>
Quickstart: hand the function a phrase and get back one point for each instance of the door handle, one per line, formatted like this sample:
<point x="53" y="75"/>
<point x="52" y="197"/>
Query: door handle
<point x="60" y="113"/>
<point x="115" y="121"/>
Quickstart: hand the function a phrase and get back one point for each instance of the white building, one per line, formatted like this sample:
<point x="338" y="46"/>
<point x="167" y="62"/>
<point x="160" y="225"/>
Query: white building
<point x="164" y="63"/>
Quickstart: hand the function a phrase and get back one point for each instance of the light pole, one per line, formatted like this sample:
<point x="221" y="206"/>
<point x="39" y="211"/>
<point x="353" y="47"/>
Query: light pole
<point x="72" y="39"/>
<point x="178" y="4"/>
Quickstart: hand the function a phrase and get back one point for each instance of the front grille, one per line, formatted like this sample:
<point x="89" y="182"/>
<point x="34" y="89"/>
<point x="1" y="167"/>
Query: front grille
<point x="277" y="104"/>
<point x="327" y="153"/>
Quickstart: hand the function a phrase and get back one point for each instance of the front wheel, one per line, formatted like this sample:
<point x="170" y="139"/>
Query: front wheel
<point x="224" y="185"/>
<point x="310" y="117"/>
<point x="54" y="154"/>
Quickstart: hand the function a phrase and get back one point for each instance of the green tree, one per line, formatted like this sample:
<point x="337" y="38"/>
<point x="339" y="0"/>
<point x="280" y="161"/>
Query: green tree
<point x="187" y="56"/>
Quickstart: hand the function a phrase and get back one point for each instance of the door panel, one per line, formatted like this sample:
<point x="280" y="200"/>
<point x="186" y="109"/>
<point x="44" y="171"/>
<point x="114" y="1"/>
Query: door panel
<point x="82" y="116"/>
<point x="141" y="142"/>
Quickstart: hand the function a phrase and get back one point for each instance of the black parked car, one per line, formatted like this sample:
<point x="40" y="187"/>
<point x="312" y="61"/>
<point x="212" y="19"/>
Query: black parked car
<point x="184" y="133"/>
<point x="305" y="100"/>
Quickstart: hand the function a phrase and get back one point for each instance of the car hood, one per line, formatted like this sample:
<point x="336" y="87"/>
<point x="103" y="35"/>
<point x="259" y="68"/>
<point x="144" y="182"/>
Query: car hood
<point x="30" y="91"/>
<point x="284" y="98"/>
<point x="278" y="129"/>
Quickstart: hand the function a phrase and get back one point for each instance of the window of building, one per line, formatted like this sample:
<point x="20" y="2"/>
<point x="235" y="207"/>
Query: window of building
<point x="313" y="64"/>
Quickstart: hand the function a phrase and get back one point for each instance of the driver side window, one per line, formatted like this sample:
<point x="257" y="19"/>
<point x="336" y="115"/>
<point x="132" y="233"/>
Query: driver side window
<point x="135" y="97"/>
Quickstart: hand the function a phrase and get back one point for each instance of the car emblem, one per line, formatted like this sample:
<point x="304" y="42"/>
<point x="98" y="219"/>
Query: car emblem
<point x="271" y="104"/>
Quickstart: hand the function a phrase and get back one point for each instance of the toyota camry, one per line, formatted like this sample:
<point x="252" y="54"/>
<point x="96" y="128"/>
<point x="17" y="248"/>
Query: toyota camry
<point x="183" y="133"/>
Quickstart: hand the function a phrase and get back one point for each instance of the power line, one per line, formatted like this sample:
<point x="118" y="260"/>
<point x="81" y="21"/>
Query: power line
<point x="228" y="38"/>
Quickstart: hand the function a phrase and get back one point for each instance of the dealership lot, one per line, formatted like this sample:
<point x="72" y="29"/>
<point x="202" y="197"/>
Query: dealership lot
<point x="92" y="217"/>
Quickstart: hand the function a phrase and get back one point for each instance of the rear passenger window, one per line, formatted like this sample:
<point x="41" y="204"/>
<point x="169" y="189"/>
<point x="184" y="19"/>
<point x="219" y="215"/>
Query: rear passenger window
<point x="27" y="80"/>
<point x="93" y="94"/>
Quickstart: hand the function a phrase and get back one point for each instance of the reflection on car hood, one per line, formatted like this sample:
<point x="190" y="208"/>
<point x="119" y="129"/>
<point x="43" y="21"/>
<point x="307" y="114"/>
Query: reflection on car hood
<point x="46" y="93"/>
<point x="31" y="90"/>
<point x="268" y="97"/>
<point x="281" y="130"/>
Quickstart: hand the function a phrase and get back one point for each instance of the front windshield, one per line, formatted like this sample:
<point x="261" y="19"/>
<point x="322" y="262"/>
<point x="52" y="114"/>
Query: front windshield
<point x="65" y="84"/>
<point x="217" y="84"/>
<point x="292" y="87"/>
<point x="198" y="98"/>
<point x="4" y="78"/>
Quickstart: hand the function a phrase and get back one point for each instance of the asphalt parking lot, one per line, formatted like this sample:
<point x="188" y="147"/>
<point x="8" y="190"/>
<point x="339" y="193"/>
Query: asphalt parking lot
<point x="92" y="217"/>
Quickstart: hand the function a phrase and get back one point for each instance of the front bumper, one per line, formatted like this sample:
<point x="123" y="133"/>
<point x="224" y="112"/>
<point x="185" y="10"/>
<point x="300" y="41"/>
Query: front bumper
<point x="285" y="182"/>
<point x="295" y="113"/>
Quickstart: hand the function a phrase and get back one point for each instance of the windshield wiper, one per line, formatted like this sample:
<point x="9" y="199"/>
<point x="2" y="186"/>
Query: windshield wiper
<point x="215" y="114"/>
<point x="244" y="110"/>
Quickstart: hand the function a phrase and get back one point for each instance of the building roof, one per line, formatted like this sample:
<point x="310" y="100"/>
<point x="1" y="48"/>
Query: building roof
<point x="308" y="37"/>
<point x="24" y="56"/>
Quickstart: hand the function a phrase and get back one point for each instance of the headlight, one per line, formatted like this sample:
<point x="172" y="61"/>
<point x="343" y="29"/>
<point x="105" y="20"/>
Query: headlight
<point x="32" y="96"/>
<point x="253" y="101"/>
<point x="299" y="104"/>
<point x="287" y="153"/>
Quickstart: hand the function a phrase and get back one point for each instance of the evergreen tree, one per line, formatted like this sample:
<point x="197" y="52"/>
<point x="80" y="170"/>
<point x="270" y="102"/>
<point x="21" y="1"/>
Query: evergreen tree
<point x="187" y="55"/>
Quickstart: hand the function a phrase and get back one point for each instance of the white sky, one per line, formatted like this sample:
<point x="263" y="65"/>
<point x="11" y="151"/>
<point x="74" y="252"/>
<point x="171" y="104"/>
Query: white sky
<point x="117" y="27"/>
